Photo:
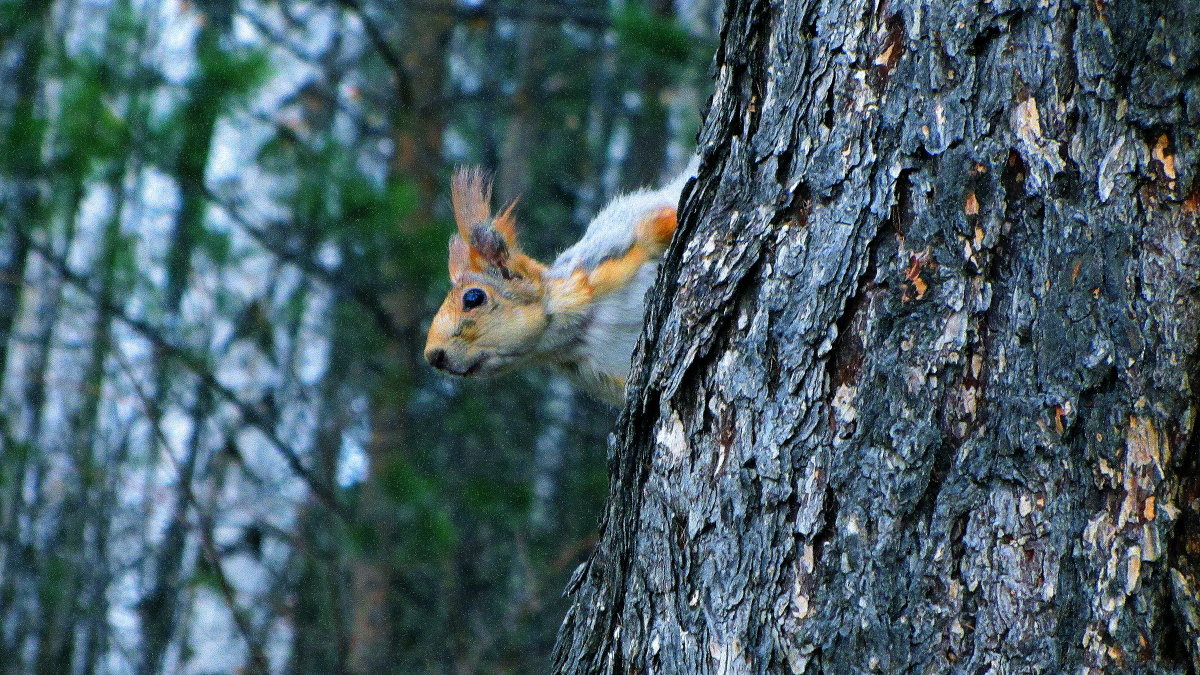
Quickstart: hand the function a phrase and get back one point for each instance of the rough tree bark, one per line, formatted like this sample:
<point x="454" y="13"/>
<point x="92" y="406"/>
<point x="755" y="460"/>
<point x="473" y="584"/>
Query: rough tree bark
<point x="921" y="395"/>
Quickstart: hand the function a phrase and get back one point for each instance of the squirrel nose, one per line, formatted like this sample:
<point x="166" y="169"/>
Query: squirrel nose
<point x="436" y="358"/>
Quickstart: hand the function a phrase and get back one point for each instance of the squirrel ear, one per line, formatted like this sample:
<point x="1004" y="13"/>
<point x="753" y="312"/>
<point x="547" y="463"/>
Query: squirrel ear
<point x="488" y="243"/>
<point x="460" y="257"/>
<point x="492" y="242"/>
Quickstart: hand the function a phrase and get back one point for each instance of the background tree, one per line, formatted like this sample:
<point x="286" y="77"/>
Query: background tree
<point x="222" y="228"/>
<point x="921" y="394"/>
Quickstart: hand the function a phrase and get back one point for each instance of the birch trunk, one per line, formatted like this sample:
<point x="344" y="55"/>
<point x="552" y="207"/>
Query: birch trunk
<point x="920" y="392"/>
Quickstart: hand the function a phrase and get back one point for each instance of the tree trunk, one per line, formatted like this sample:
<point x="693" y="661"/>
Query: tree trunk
<point x="920" y="394"/>
<point x="649" y="130"/>
<point x="158" y="609"/>
<point x="20" y="201"/>
<point x="417" y="124"/>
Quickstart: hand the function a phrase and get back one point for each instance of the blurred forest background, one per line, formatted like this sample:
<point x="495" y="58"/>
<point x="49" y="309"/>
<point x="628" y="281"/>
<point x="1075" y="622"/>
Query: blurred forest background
<point x="223" y="230"/>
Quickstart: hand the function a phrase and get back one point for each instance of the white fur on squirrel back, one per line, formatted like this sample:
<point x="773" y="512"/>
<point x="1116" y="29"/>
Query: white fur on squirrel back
<point x="603" y="354"/>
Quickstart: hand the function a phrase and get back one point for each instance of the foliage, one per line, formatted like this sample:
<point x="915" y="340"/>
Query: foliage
<point x="650" y="38"/>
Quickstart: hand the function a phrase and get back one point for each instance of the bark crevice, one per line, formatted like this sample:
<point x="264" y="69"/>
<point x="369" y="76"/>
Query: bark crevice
<point x="915" y="375"/>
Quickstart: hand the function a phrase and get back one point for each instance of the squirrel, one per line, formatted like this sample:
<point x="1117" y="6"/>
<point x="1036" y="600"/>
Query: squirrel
<point x="581" y="314"/>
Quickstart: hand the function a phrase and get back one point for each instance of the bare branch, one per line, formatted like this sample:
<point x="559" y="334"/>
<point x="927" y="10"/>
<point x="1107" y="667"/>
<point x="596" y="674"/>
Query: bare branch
<point x="364" y="296"/>
<point x="250" y="415"/>
<point x="389" y="55"/>
<point x="205" y="524"/>
<point x="542" y="13"/>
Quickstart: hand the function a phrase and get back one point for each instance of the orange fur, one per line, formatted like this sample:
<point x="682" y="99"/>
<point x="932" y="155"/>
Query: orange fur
<point x="653" y="235"/>
<point x="656" y="230"/>
<point x="471" y="196"/>
<point x="615" y="273"/>
<point x="572" y="295"/>
<point x="526" y="267"/>
<point x="506" y="224"/>
<point x="570" y="314"/>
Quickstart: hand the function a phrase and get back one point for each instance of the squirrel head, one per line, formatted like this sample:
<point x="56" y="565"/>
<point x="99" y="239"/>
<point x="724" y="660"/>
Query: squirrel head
<point x="493" y="317"/>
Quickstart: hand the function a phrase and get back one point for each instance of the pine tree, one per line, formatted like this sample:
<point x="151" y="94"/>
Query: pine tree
<point x="920" y="394"/>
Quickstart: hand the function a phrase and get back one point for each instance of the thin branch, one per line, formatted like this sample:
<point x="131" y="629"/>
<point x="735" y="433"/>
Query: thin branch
<point x="486" y="11"/>
<point x="205" y="524"/>
<point x="266" y="30"/>
<point x="253" y="647"/>
<point x="250" y="415"/>
<point x="364" y="296"/>
<point x="389" y="55"/>
<point x="541" y="13"/>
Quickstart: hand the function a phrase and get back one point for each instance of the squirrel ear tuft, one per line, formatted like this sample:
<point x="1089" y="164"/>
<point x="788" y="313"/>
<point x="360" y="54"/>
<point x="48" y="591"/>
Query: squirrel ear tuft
<point x="471" y="196"/>
<point x="506" y="223"/>
<point x="460" y="257"/>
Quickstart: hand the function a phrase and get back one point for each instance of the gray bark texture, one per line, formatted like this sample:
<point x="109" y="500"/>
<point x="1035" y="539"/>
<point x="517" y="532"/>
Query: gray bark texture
<point x="918" y="390"/>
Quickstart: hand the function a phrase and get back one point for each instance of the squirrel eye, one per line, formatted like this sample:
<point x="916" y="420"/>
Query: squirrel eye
<point x="473" y="298"/>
